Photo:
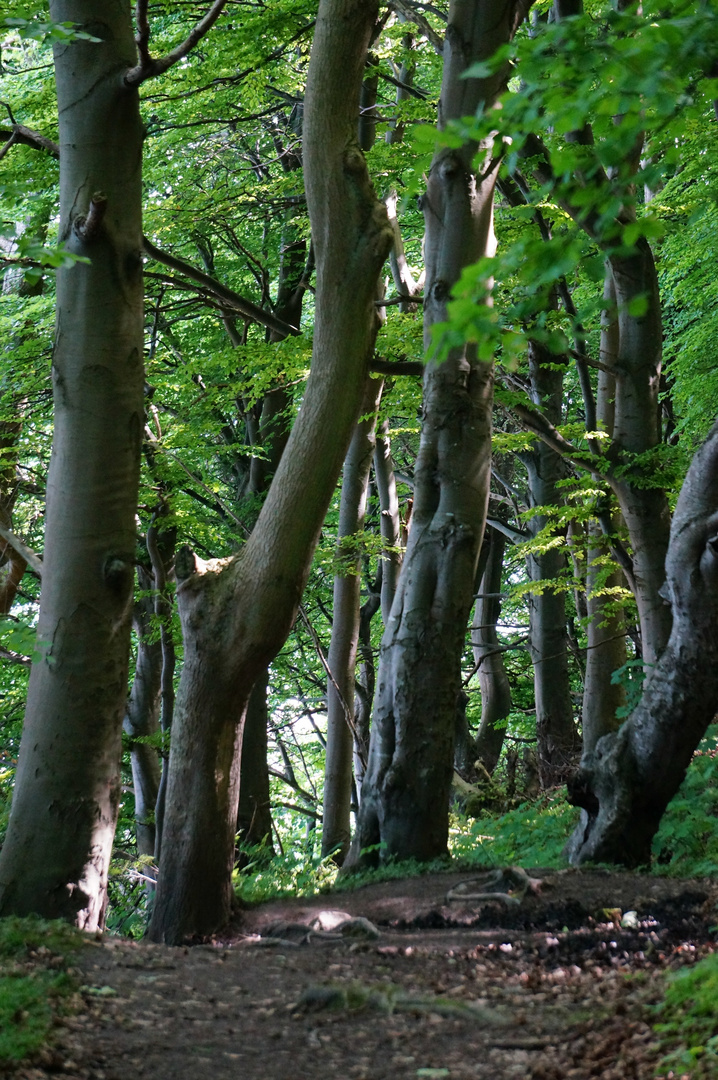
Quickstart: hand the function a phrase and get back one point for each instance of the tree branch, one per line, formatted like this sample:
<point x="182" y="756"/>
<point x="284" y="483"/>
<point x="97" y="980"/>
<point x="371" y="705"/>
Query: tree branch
<point x="33" y="560"/>
<point x="149" y="68"/>
<point x="396" y="367"/>
<point x="24" y="136"/>
<point x="232" y="299"/>
<point x="537" y="424"/>
<point x="411" y="15"/>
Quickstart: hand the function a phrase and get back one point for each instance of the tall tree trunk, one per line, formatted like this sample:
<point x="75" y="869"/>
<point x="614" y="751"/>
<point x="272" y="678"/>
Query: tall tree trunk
<point x="254" y="817"/>
<point x="55" y="858"/>
<point x="336" y="832"/>
<point x="254" y="820"/>
<point x="389" y="521"/>
<point x="556" y="734"/>
<point x="237" y="613"/>
<point x="365" y="687"/>
<point x="606" y="644"/>
<point x="636" y="430"/>
<point x="142" y="717"/>
<point x="406" y="788"/>
<point x="12" y="563"/>
<point x="626" y="783"/>
<point x="493" y="680"/>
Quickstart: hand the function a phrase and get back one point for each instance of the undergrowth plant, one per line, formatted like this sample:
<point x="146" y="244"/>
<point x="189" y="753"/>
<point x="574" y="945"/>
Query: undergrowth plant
<point x="533" y="834"/>
<point x="687" y="1020"/>
<point x="686" y="844"/>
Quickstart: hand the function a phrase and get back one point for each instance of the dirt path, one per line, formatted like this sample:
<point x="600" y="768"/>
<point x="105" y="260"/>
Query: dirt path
<point x="535" y="990"/>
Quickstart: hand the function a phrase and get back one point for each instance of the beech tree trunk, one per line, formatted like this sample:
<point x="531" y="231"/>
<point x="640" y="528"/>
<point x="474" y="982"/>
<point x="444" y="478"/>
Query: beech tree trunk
<point x="405" y="795"/>
<point x="237" y="613"/>
<point x="626" y="783"/>
<point x="336" y="828"/>
<point x="55" y="858"/>
<point x="254" y="818"/>
<point x="606" y="644"/>
<point x="557" y="739"/>
<point x="390" y="520"/>
<point x="12" y="564"/>
<point x="636" y="430"/>
<point x="142" y="718"/>
<point x="493" y="680"/>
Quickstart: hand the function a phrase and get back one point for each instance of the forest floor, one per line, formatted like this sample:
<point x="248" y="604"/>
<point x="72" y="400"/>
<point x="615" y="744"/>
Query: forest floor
<point x="539" y="989"/>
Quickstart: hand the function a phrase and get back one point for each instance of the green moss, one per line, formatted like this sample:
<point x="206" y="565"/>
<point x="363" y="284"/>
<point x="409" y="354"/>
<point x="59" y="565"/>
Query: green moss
<point x="21" y="937"/>
<point x="27" y="1006"/>
<point x="33" y="986"/>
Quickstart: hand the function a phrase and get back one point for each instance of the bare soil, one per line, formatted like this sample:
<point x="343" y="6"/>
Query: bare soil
<point x="536" y="989"/>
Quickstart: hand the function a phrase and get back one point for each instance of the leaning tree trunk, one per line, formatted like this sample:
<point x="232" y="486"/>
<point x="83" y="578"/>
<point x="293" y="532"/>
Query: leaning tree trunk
<point x="625" y="785"/>
<point x="55" y="858"/>
<point x="237" y="613"/>
<point x="341" y="661"/>
<point x="405" y="795"/>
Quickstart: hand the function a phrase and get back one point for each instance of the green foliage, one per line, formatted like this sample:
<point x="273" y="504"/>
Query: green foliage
<point x="631" y="677"/>
<point x="532" y="835"/>
<point x="686" y="843"/>
<point x="299" y="872"/>
<point x="687" y="1020"/>
<point x="48" y="32"/>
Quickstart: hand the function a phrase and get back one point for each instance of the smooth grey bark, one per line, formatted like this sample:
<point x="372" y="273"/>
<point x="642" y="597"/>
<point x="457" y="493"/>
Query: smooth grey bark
<point x="636" y="430"/>
<point x="632" y="285"/>
<point x="237" y="613"/>
<point x="254" y="816"/>
<point x="626" y="783"/>
<point x="161" y="549"/>
<point x="364" y="689"/>
<point x="488" y="658"/>
<point x="606" y="645"/>
<point x="389" y="521"/>
<point x="142" y="717"/>
<point x="557" y="739"/>
<point x="605" y="630"/>
<point x="12" y="564"/>
<point x="405" y="795"/>
<point x="55" y="859"/>
<point x="342" y="657"/>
